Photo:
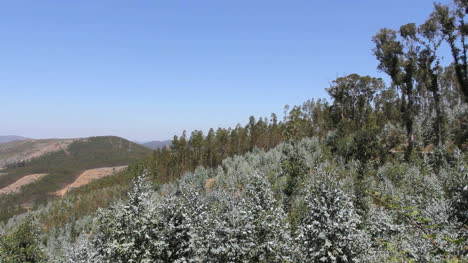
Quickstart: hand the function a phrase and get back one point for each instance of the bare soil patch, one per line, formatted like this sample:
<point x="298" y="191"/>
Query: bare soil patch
<point x="210" y="183"/>
<point x="90" y="175"/>
<point x="16" y="186"/>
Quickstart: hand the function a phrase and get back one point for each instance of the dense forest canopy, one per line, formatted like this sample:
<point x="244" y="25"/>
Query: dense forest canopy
<point x="377" y="174"/>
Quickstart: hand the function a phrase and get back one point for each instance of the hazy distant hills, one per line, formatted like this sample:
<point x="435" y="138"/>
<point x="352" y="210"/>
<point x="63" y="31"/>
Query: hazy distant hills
<point x="11" y="138"/>
<point x="157" y="144"/>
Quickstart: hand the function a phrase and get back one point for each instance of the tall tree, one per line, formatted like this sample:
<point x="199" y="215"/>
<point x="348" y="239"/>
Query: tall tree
<point x="397" y="58"/>
<point x="429" y="65"/>
<point x="354" y="98"/>
<point x="210" y="148"/>
<point x="454" y="29"/>
<point x="196" y="148"/>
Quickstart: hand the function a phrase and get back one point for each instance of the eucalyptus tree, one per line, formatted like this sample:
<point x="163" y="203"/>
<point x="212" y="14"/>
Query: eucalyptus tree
<point x="410" y="57"/>
<point x="121" y="234"/>
<point x="353" y="98"/>
<point x="397" y="59"/>
<point x="454" y="29"/>
<point x="426" y="41"/>
<point x="330" y="230"/>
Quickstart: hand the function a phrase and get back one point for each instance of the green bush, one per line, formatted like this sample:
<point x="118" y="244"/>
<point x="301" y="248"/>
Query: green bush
<point x="22" y="245"/>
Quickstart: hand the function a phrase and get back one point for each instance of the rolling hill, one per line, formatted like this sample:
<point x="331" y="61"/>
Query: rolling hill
<point x="63" y="161"/>
<point x="24" y="150"/>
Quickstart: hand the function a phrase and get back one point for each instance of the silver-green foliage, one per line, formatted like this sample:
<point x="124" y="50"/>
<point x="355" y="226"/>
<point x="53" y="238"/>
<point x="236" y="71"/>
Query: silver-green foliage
<point x="239" y="212"/>
<point x="330" y="230"/>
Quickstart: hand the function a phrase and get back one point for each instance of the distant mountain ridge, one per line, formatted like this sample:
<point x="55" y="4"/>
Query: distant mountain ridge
<point x="157" y="144"/>
<point x="11" y="138"/>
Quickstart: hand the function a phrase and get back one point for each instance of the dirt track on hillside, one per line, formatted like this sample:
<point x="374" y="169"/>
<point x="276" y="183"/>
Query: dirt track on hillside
<point x="25" y="180"/>
<point x="89" y="175"/>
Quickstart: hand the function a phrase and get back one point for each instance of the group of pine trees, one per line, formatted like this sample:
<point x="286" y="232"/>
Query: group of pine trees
<point x="384" y="178"/>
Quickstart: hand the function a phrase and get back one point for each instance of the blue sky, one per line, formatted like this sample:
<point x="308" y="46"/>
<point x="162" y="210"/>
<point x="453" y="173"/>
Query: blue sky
<point x="149" y="69"/>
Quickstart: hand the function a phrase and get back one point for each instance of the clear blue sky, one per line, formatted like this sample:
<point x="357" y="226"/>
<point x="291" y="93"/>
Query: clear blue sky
<point x="149" y="69"/>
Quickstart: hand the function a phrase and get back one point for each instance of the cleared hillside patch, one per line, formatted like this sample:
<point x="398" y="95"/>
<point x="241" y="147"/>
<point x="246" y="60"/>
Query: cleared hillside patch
<point x="25" y="180"/>
<point x="88" y="176"/>
<point x="21" y="151"/>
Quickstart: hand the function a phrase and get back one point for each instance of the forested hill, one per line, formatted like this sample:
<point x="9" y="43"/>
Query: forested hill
<point x="62" y="167"/>
<point x="377" y="174"/>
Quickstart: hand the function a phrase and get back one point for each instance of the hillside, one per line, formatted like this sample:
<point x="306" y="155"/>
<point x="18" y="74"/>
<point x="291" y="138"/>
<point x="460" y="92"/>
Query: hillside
<point x="24" y="150"/>
<point x="63" y="165"/>
<point x="157" y="144"/>
<point x="281" y="205"/>
<point x="11" y="138"/>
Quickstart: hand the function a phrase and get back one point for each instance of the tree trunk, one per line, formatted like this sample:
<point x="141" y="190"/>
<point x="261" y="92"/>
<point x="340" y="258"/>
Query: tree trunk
<point x="409" y="115"/>
<point x="439" y="118"/>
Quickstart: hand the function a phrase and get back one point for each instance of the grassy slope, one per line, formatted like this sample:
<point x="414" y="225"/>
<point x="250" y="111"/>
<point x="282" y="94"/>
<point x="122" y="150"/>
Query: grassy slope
<point x="64" y="167"/>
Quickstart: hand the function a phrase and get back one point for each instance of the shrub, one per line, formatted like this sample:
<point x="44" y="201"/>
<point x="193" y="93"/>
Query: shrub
<point x="329" y="232"/>
<point x="22" y="245"/>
